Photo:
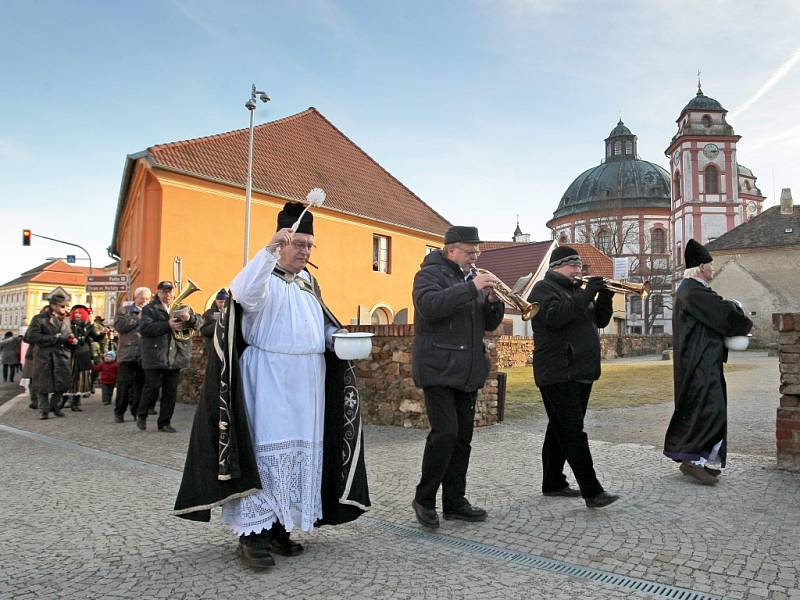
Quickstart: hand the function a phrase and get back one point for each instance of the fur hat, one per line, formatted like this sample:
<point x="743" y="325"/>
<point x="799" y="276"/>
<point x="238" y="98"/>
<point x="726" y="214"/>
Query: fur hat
<point x="696" y="254"/>
<point x="563" y="255"/>
<point x="462" y="234"/>
<point x="289" y="214"/>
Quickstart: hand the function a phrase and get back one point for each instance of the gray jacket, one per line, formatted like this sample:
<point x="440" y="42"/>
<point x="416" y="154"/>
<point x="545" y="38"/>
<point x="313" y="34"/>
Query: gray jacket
<point x="160" y="350"/>
<point x="10" y="350"/>
<point x="130" y="340"/>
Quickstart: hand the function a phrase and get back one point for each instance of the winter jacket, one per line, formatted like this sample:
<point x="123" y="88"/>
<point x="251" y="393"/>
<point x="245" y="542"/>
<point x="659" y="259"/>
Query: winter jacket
<point x="10" y="350"/>
<point x="160" y="350"/>
<point x="450" y="318"/>
<point x="51" y="361"/>
<point x="83" y="351"/>
<point x="566" y="343"/>
<point x="126" y="322"/>
<point x="108" y="372"/>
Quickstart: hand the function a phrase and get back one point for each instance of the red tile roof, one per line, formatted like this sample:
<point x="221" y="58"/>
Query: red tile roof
<point x="596" y="262"/>
<point x="55" y="272"/>
<point x="494" y="245"/>
<point x="295" y="154"/>
<point x="512" y="262"/>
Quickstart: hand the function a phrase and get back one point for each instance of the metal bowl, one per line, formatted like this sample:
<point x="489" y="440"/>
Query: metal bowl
<point x="738" y="342"/>
<point x="353" y="346"/>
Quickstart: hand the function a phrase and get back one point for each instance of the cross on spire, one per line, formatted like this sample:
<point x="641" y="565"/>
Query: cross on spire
<point x="699" y="89"/>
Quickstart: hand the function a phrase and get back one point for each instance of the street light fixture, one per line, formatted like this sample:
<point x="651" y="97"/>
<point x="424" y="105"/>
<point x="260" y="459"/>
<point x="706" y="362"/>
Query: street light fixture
<point x="250" y="105"/>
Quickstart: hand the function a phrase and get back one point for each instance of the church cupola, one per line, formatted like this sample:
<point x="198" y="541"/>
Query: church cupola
<point x="519" y="236"/>
<point x="620" y="143"/>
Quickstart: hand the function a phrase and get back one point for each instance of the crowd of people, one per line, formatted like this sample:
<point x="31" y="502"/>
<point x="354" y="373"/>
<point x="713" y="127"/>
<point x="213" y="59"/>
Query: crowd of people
<point x="277" y="440"/>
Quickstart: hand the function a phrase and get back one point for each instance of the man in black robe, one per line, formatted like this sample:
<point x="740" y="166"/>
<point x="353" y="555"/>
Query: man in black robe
<point x="701" y="320"/>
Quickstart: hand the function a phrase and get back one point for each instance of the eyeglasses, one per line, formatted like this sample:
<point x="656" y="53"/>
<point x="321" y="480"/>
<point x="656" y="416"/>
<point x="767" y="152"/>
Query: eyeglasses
<point x="470" y="252"/>
<point x="300" y="246"/>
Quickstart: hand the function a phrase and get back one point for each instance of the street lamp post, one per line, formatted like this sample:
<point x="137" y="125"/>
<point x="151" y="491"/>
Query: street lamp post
<point x="250" y="105"/>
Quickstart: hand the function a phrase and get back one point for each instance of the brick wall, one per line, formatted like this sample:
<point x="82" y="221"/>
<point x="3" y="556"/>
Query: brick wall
<point x="787" y="424"/>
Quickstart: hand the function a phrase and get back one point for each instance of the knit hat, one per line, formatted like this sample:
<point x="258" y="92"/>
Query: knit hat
<point x="222" y="294"/>
<point x="696" y="254"/>
<point x="563" y="255"/>
<point x="289" y="214"/>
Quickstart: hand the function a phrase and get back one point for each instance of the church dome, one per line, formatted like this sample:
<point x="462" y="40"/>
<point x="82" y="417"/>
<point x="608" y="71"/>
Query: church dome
<point x="622" y="181"/>
<point x="703" y="102"/>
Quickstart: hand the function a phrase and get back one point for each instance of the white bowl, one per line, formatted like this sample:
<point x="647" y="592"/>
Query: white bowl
<point x="353" y="346"/>
<point x="738" y="342"/>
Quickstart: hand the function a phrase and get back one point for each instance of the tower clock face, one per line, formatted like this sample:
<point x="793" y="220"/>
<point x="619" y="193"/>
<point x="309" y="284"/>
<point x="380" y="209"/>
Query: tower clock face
<point x="751" y="208"/>
<point x="710" y="151"/>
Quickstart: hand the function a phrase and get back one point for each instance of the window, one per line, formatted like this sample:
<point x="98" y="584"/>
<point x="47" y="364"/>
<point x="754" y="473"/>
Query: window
<point x="658" y="330"/>
<point x="617" y="148"/>
<point x="562" y="238"/>
<point x="712" y="180"/>
<point x="380" y="254"/>
<point x="657" y="304"/>
<point x="636" y="329"/>
<point x="678" y="253"/>
<point x="658" y="241"/>
<point x="677" y="186"/>
<point x="636" y="305"/>
<point x="380" y="316"/>
<point x="628" y="147"/>
<point x="706" y="120"/>
<point x="604" y="241"/>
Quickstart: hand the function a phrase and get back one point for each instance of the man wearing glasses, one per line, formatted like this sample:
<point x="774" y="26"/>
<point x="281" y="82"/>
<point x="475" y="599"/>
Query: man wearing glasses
<point x="280" y="444"/>
<point x="452" y="311"/>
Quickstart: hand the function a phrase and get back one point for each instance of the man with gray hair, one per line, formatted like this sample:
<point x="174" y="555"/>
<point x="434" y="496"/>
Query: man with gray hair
<point x="701" y="320"/>
<point x="129" y="355"/>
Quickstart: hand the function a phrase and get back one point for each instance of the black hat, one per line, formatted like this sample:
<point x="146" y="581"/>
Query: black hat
<point x="165" y="285"/>
<point x="563" y="255"/>
<point x="695" y="254"/>
<point x="58" y="299"/>
<point x="462" y="234"/>
<point x="289" y="214"/>
<point x="222" y="294"/>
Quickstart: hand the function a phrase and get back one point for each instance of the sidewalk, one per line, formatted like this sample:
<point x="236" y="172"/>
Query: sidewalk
<point x="92" y="498"/>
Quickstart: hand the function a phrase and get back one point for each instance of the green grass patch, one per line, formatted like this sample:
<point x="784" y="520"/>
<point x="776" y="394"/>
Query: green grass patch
<point x="624" y="384"/>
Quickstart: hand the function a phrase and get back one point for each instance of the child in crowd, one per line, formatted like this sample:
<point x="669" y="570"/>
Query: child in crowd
<point x="108" y="375"/>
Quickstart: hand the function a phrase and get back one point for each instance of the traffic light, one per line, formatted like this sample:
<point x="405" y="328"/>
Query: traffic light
<point x="26" y="237"/>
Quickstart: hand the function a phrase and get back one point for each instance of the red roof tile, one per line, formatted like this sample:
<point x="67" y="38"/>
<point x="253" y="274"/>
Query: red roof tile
<point x="512" y="262"/>
<point x="292" y="156"/>
<point x="494" y="245"/>
<point x="596" y="262"/>
<point x="55" y="272"/>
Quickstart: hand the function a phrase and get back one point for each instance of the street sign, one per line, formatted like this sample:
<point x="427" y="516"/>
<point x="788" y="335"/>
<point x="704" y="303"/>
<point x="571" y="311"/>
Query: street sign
<point x="106" y="287"/>
<point x="621" y="267"/>
<point x="116" y="278"/>
<point x="71" y="258"/>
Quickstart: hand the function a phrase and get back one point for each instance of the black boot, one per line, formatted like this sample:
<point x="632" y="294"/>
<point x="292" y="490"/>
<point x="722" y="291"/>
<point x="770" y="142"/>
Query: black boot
<point x="254" y="551"/>
<point x="75" y="403"/>
<point x="280" y="542"/>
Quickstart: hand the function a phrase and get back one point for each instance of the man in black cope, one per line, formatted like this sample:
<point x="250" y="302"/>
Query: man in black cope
<point x="566" y="362"/>
<point x="701" y="319"/>
<point x="452" y="311"/>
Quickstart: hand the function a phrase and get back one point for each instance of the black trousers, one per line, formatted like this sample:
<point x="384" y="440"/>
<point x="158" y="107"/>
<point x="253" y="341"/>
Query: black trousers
<point x="130" y="381"/>
<point x="9" y="371"/>
<point x="165" y="381"/>
<point x="565" y="440"/>
<point x="451" y="413"/>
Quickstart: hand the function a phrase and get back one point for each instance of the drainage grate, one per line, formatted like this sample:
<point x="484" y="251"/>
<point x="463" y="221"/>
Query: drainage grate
<point x="540" y="562"/>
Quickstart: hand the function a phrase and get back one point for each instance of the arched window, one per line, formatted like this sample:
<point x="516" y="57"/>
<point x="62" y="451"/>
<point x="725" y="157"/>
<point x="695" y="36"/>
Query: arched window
<point x="604" y="241"/>
<point x="617" y="148"/>
<point x="706" y="121"/>
<point x="380" y="316"/>
<point x="562" y="238"/>
<point x="628" y="147"/>
<point x="712" y="180"/>
<point x="658" y="241"/>
<point x="677" y="186"/>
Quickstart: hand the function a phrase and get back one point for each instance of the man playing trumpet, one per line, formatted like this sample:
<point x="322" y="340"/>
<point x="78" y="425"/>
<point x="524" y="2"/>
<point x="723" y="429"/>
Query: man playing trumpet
<point x="566" y="362"/>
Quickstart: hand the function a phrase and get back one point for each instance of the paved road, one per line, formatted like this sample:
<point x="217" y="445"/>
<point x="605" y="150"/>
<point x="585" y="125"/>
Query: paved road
<point x="86" y="503"/>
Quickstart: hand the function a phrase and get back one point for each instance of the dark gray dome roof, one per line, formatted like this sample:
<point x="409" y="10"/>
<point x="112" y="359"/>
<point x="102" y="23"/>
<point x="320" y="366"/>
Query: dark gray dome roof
<point x="703" y="102"/>
<point x="630" y="183"/>
<point x="620" y="129"/>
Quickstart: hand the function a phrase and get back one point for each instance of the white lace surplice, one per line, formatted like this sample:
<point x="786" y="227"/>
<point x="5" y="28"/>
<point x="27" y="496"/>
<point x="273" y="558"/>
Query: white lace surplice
<point x="283" y="375"/>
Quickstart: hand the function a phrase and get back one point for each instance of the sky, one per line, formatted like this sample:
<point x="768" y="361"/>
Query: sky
<point x="486" y="109"/>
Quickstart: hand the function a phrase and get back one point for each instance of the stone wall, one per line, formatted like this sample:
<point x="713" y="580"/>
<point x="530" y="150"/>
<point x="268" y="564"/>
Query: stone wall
<point x="787" y="425"/>
<point x="514" y="351"/>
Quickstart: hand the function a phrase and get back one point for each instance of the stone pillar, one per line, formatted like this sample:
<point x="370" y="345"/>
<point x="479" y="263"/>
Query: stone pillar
<point x="787" y="425"/>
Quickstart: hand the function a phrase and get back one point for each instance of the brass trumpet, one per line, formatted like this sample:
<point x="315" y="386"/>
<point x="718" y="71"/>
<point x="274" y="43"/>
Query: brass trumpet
<point x="507" y="295"/>
<point x="183" y="335"/>
<point x="623" y="287"/>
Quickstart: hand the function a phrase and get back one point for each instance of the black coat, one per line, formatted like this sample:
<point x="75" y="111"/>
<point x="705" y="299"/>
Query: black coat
<point x="701" y="319"/>
<point x="450" y="318"/>
<point x="210" y="319"/>
<point x="566" y="343"/>
<point x="126" y="322"/>
<point x="51" y="372"/>
<point x="160" y="349"/>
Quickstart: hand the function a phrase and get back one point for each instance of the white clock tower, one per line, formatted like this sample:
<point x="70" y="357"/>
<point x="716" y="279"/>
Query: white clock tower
<point x="705" y="176"/>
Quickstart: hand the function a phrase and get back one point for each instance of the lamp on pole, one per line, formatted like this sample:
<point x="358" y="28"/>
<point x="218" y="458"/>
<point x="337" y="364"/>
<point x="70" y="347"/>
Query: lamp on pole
<point x="250" y="105"/>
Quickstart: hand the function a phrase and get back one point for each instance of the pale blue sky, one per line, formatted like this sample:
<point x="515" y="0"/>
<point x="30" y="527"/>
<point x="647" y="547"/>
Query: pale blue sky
<point x="485" y="109"/>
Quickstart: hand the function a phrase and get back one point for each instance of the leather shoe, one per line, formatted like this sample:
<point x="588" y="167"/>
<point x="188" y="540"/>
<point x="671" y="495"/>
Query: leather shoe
<point x="698" y="473"/>
<point x="167" y="429"/>
<point x="256" y="557"/>
<point x="600" y="500"/>
<point x="141" y="423"/>
<point x="427" y="517"/>
<point x="565" y="492"/>
<point x="119" y="419"/>
<point x="466" y="512"/>
<point x="57" y="412"/>
<point x="43" y="416"/>
<point x="285" y="547"/>
<point x="714" y="472"/>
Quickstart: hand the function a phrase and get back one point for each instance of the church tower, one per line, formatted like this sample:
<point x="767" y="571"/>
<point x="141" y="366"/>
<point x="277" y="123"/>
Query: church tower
<point x="704" y="174"/>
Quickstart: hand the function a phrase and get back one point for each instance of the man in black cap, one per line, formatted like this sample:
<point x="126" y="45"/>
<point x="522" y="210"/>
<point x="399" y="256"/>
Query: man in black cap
<point x="278" y="437"/>
<point x="701" y="320"/>
<point x="452" y="311"/>
<point x="51" y="334"/>
<point x="211" y="318"/>
<point x="566" y="362"/>
<point x="163" y="355"/>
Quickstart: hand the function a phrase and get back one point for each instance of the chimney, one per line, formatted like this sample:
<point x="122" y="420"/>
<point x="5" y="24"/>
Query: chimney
<point x="787" y="205"/>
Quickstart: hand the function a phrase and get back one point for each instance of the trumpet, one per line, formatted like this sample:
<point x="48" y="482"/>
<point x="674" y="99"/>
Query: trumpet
<point x="623" y="287"/>
<point x="183" y="335"/>
<point x="507" y="295"/>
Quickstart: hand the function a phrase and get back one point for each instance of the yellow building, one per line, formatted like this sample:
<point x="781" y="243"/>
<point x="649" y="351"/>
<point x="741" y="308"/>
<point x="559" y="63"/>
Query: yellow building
<point x="186" y="200"/>
<point x="24" y="297"/>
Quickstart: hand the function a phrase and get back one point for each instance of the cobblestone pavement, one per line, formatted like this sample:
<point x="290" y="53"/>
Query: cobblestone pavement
<point x="86" y="507"/>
